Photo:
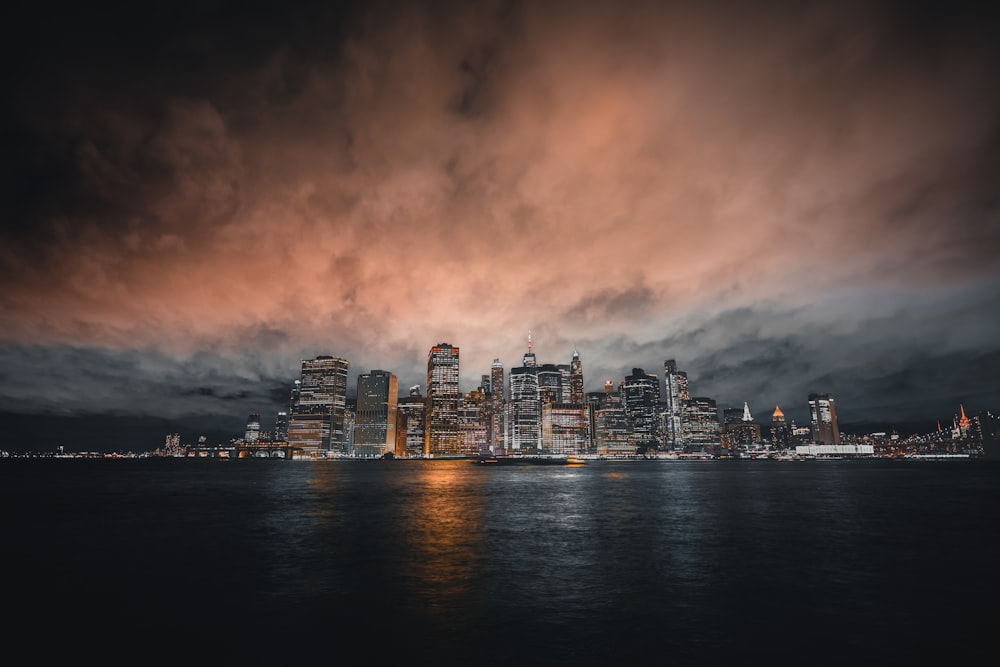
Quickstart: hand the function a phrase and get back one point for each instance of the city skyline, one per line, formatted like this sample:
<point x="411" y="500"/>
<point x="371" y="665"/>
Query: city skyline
<point x="785" y="198"/>
<point x="519" y="411"/>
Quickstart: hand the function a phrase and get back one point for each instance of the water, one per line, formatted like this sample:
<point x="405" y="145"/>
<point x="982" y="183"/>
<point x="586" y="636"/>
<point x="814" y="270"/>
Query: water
<point x="637" y="563"/>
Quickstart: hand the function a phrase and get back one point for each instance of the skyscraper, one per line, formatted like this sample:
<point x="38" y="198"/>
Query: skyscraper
<point x="576" y="379"/>
<point x="411" y="424"/>
<point x="612" y="429"/>
<point x="674" y="396"/>
<point x="781" y="433"/>
<point x="498" y="412"/>
<point x="473" y="428"/>
<point x="701" y="422"/>
<point x="964" y="423"/>
<point x="252" y="433"/>
<point x="823" y="419"/>
<point x="524" y="406"/>
<point x="529" y="359"/>
<point x="441" y="434"/>
<point x="281" y="426"/>
<point x="375" y="418"/>
<point x="740" y="426"/>
<point x="550" y="383"/>
<point x="641" y="399"/>
<point x="317" y="413"/>
<point x="565" y="428"/>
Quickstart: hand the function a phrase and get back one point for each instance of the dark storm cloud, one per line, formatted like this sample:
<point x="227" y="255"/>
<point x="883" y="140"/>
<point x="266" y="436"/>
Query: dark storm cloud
<point x="79" y="381"/>
<point x="610" y="304"/>
<point x="894" y="360"/>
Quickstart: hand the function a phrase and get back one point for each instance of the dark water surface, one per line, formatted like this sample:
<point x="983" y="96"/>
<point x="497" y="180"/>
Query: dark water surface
<point x="631" y="563"/>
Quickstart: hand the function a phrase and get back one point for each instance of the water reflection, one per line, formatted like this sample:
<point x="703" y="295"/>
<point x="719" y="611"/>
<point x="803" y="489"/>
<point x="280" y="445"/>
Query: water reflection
<point x="442" y="528"/>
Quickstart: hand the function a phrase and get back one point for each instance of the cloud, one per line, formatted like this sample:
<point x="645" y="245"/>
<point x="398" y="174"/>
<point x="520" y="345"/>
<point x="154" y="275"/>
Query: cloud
<point x="701" y="182"/>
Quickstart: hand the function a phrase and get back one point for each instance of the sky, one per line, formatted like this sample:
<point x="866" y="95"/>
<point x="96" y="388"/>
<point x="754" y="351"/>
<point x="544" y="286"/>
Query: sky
<point x="783" y="197"/>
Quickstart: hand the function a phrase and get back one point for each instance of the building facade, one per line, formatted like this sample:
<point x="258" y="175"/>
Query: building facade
<point x="781" y="431"/>
<point x="550" y="383"/>
<point x="411" y="411"/>
<point x="281" y="426"/>
<point x="441" y="434"/>
<point x="674" y="395"/>
<point x="498" y="411"/>
<point x="319" y="400"/>
<point x="473" y="428"/>
<point x="701" y="423"/>
<point x="640" y="394"/>
<point x="252" y="433"/>
<point x="612" y="430"/>
<point x="375" y="415"/>
<point x="524" y="410"/>
<point x="565" y="428"/>
<point x="823" y="419"/>
<point x="576" y="379"/>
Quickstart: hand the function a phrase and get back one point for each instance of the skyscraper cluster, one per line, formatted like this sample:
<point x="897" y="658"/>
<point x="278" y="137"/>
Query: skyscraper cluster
<point x="538" y="408"/>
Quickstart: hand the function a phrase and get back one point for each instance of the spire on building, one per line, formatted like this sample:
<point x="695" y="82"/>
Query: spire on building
<point x="529" y="356"/>
<point x="778" y="415"/>
<point x="747" y="417"/>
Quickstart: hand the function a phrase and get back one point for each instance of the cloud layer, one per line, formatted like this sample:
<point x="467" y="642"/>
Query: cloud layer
<point x="778" y="196"/>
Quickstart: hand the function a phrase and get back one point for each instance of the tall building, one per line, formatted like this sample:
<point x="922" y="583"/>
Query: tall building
<point x="498" y="413"/>
<point x="576" y="379"/>
<point x="640" y="395"/>
<point x="529" y="359"/>
<point x="823" y="419"/>
<point x="732" y="416"/>
<point x="252" y="433"/>
<point x="441" y="434"/>
<point x="701" y="423"/>
<point x="411" y="424"/>
<point x="565" y="428"/>
<point x="375" y="416"/>
<point x="473" y="428"/>
<point x="593" y="400"/>
<point x="781" y="432"/>
<point x="964" y="423"/>
<point x="496" y="382"/>
<point x="566" y="371"/>
<point x="281" y="426"/>
<point x="524" y="433"/>
<point x="674" y="395"/>
<point x="550" y="383"/>
<point x="740" y="427"/>
<point x="319" y="400"/>
<point x="350" y="411"/>
<point x="612" y="430"/>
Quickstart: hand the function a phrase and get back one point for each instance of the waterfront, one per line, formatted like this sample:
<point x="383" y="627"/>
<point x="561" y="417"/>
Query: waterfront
<point x="656" y="562"/>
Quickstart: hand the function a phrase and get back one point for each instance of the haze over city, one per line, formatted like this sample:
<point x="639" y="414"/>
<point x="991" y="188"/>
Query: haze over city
<point x="784" y="197"/>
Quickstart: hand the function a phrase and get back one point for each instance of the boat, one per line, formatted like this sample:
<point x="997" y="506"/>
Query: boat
<point x="528" y="460"/>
